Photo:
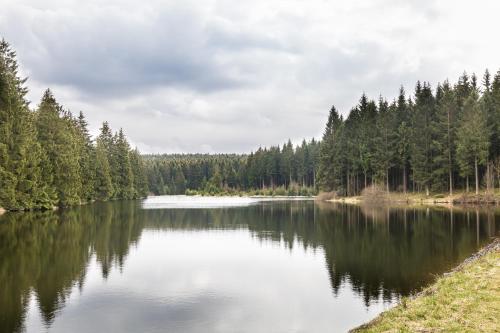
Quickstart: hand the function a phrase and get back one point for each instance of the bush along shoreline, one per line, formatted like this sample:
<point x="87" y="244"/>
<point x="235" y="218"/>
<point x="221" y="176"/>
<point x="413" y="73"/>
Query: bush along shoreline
<point x="465" y="299"/>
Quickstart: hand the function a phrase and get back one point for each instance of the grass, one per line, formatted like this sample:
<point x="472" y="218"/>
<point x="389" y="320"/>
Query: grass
<point x="465" y="300"/>
<point x="377" y="195"/>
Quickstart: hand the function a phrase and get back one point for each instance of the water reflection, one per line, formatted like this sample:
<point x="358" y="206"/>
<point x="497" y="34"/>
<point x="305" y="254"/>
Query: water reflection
<point x="377" y="253"/>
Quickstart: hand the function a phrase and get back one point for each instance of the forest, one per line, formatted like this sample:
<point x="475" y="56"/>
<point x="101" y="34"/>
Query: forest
<point x="47" y="156"/>
<point x="285" y="170"/>
<point x="432" y="141"/>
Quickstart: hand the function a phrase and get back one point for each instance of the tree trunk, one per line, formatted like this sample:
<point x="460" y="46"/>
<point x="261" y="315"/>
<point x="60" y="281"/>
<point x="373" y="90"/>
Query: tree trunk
<point x="467" y="184"/>
<point x="404" y="178"/>
<point x="451" y="181"/>
<point x="449" y="154"/>
<point x="387" y="180"/>
<point x="347" y="187"/>
<point x="427" y="190"/>
<point x="477" y="176"/>
<point x="366" y="181"/>
<point x="488" y="177"/>
<point x="356" y="184"/>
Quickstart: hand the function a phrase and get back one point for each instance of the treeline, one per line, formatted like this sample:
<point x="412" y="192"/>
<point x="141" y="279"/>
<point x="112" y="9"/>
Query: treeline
<point x="285" y="170"/>
<point x="47" y="157"/>
<point x="433" y="141"/>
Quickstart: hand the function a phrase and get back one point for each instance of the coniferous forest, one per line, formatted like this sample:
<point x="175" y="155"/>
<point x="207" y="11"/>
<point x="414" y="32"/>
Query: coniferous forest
<point x="434" y="140"/>
<point x="285" y="170"/>
<point x="48" y="158"/>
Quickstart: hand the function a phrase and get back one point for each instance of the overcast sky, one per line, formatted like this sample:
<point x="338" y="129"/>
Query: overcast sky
<point x="229" y="76"/>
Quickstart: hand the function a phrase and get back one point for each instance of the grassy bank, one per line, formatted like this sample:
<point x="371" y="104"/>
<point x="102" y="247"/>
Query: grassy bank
<point x="459" y="198"/>
<point x="465" y="300"/>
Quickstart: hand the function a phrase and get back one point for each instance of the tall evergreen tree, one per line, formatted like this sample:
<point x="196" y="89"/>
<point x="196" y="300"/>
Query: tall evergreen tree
<point x="139" y="174"/>
<point x="422" y="148"/>
<point x="329" y="169"/>
<point x="20" y="180"/>
<point x="87" y="154"/>
<point x="124" y="177"/>
<point x="444" y="136"/>
<point x="472" y="139"/>
<point x="57" y="137"/>
<point x="402" y="127"/>
<point x="384" y="142"/>
<point x="103" y="183"/>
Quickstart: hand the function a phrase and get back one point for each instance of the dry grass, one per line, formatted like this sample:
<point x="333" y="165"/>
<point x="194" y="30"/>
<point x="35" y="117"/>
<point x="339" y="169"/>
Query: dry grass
<point x="325" y="196"/>
<point x="374" y="194"/>
<point x="465" y="300"/>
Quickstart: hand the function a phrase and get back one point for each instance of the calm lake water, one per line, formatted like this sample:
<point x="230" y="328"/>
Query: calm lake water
<point x="171" y="266"/>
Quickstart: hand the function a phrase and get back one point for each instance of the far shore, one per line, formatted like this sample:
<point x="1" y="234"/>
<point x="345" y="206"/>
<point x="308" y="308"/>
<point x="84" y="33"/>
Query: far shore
<point x="421" y="199"/>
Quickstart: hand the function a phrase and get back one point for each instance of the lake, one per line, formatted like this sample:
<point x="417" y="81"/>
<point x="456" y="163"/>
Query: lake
<point x="178" y="264"/>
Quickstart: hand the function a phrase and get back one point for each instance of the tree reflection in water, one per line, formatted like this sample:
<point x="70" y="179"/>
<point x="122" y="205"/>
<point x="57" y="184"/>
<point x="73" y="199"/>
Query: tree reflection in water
<point x="382" y="252"/>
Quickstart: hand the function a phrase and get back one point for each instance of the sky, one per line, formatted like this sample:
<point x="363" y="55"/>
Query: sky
<point x="230" y="76"/>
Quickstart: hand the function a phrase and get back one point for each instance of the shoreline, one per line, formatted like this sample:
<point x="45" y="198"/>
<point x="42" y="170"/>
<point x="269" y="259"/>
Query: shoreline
<point x="465" y="298"/>
<point x="460" y="199"/>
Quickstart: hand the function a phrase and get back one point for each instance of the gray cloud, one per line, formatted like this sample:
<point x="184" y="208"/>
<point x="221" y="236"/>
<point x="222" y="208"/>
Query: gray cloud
<point x="216" y="76"/>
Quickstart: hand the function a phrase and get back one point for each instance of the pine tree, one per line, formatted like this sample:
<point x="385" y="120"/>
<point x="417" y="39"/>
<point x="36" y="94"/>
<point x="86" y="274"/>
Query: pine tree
<point x="107" y="143"/>
<point x="139" y="174"/>
<point x="179" y="181"/>
<point x="383" y="159"/>
<point x="57" y="137"/>
<point x="287" y="163"/>
<point x="403" y="137"/>
<point x="444" y="136"/>
<point x="87" y="158"/>
<point x="472" y="139"/>
<point x="328" y="167"/>
<point x="422" y="148"/>
<point x="20" y="179"/>
<point x="103" y="183"/>
<point x="124" y="177"/>
<point x="493" y="105"/>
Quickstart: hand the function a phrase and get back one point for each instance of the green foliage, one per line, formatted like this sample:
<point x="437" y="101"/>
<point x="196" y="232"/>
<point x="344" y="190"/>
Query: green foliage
<point x="473" y="138"/>
<point x="47" y="157"/>
<point x="267" y="170"/>
<point x="436" y="140"/>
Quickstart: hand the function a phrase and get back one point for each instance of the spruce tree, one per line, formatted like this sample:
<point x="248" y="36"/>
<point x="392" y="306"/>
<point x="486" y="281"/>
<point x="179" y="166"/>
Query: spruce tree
<point x="444" y="136"/>
<point x="21" y="183"/>
<point x="124" y="177"/>
<point x="103" y="183"/>
<point x="422" y="148"/>
<point x="384" y="142"/>
<point x="402" y="128"/>
<point x="328" y="169"/>
<point x="472" y="139"/>
<point x="58" y="139"/>
<point x="87" y="158"/>
<point x="139" y="174"/>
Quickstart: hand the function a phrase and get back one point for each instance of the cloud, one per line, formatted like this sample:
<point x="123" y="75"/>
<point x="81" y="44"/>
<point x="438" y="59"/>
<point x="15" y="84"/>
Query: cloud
<point x="217" y="76"/>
